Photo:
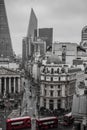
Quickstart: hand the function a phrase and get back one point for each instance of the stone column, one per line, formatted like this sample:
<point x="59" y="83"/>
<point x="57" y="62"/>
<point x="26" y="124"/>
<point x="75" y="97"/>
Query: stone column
<point x="63" y="90"/>
<point x="5" y="84"/>
<point x="63" y="104"/>
<point x="55" y="103"/>
<point x="0" y="85"/>
<point x="9" y="84"/>
<point x="47" y="103"/>
<point x="18" y="84"/>
<point x="41" y="102"/>
<point x="14" y="84"/>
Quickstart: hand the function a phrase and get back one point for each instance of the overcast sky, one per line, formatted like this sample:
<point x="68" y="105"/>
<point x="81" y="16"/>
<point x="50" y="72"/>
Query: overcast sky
<point x="66" y="17"/>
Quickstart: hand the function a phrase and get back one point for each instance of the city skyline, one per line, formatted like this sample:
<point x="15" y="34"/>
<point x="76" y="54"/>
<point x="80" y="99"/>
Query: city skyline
<point x="66" y="17"/>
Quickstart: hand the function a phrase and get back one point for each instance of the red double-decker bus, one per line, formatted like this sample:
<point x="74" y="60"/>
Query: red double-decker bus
<point x="46" y="123"/>
<point x="68" y="119"/>
<point x="18" y="123"/>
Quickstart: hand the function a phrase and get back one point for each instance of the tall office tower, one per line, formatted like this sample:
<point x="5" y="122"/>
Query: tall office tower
<point x="27" y="49"/>
<point x="84" y="34"/>
<point x="84" y="38"/>
<point x="5" y="39"/>
<point x="23" y="51"/>
<point x="27" y="43"/>
<point x="46" y="34"/>
<point x="33" y="23"/>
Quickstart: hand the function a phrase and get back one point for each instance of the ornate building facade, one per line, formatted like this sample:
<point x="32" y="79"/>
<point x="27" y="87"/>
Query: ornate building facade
<point x="10" y="82"/>
<point x="57" y="84"/>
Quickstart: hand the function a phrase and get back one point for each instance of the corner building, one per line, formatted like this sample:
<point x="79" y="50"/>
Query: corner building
<point x="57" y="84"/>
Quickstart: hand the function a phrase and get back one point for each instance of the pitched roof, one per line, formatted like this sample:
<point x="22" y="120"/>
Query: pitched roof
<point x="6" y="71"/>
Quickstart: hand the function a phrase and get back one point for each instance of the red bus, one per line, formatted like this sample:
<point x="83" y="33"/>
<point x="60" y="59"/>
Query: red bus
<point x="68" y="119"/>
<point x="46" y="123"/>
<point x="18" y="123"/>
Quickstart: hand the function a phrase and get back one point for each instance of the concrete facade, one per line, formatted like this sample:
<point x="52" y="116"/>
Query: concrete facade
<point x="66" y="51"/>
<point x="39" y="47"/>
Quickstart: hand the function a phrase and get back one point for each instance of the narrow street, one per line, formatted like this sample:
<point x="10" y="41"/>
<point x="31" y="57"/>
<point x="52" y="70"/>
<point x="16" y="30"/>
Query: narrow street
<point x="29" y="105"/>
<point x="26" y="99"/>
<point x="29" y="100"/>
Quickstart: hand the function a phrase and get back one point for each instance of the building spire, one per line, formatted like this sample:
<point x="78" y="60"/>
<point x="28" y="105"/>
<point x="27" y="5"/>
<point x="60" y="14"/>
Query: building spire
<point x="33" y="23"/>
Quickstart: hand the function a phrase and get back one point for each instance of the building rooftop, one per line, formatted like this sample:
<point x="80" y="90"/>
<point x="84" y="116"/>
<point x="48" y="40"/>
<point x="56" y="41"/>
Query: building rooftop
<point x="72" y="70"/>
<point x="54" y="59"/>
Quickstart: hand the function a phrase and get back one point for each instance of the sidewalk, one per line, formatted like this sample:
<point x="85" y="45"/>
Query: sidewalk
<point x="14" y="113"/>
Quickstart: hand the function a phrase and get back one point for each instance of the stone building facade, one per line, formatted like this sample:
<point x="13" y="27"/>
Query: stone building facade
<point x="57" y="84"/>
<point x="10" y="82"/>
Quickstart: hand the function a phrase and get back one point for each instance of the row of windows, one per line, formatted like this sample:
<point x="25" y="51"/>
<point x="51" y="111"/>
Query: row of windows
<point x="57" y="78"/>
<point x="51" y="86"/>
<point x="51" y="93"/>
<point x="51" y="104"/>
<point x="52" y="71"/>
